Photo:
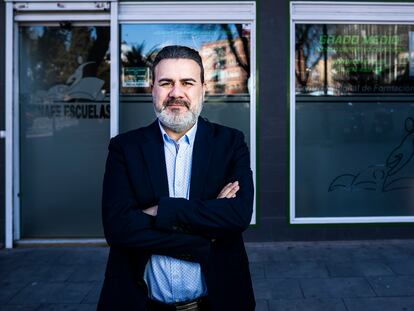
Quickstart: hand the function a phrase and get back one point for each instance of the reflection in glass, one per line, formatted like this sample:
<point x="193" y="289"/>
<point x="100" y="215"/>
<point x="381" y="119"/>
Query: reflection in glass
<point x="354" y="59"/>
<point x="225" y="50"/>
<point x="354" y="116"/>
<point x="64" y="128"/>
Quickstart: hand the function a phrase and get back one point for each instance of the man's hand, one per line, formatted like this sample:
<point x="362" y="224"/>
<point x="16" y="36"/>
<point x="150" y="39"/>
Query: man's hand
<point x="152" y="211"/>
<point x="229" y="191"/>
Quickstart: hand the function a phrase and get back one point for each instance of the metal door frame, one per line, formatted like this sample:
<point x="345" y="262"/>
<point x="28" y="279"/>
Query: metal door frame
<point x="29" y="11"/>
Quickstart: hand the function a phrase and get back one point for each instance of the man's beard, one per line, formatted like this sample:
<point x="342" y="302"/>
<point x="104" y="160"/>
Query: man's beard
<point x="177" y="121"/>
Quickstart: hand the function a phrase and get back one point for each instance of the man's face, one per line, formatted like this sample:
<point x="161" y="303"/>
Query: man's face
<point x="177" y="93"/>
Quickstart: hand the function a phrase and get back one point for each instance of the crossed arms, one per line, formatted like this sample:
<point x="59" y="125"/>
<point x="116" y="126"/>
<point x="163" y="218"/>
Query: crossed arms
<point x="175" y="225"/>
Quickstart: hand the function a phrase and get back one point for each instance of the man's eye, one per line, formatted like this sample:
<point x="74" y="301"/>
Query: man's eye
<point x="165" y="84"/>
<point x="187" y="83"/>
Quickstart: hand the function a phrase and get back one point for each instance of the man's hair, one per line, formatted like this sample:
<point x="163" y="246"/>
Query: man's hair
<point x="175" y="52"/>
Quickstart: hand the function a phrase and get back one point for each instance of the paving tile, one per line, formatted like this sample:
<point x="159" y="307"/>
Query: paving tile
<point x="393" y="285"/>
<point x="352" y="253"/>
<point x="87" y="273"/>
<point x="307" y="253"/>
<point x="93" y="296"/>
<point x="336" y="288"/>
<point x="402" y="266"/>
<point x="330" y="304"/>
<point x="380" y="304"/>
<point x="39" y="273"/>
<point x="397" y="251"/>
<point x="8" y="262"/>
<point x="37" y="256"/>
<point x="358" y="268"/>
<point x="10" y="289"/>
<point x="262" y="305"/>
<point x="259" y="254"/>
<point x="257" y="270"/>
<point x="52" y="293"/>
<point x="295" y="269"/>
<point x="276" y="289"/>
<point x="84" y="256"/>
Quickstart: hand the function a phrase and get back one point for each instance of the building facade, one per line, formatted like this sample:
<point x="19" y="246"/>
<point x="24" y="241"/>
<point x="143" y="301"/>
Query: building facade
<point x="323" y="92"/>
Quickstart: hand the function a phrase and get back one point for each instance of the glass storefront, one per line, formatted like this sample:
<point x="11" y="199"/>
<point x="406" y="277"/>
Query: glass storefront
<point x="64" y="128"/>
<point x="354" y="120"/>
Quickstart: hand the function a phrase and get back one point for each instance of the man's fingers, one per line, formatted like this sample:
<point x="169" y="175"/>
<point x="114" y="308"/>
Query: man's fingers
<point x="229" y="190"/>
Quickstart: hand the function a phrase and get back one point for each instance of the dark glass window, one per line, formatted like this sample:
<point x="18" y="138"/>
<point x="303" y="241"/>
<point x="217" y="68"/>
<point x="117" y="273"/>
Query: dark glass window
<point x="354" y="115"/>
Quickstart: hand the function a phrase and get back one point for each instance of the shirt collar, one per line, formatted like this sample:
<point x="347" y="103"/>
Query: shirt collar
<point x="188" y="137"/>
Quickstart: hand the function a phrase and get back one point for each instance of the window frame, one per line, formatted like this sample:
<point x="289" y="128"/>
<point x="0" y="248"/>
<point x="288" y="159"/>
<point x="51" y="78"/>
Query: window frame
<point x="304" y="12"/>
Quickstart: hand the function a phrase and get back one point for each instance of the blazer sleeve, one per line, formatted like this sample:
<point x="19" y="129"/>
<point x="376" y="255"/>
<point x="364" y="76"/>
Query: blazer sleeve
<point x="216" y="217"/>
<point x="126" y="225"/>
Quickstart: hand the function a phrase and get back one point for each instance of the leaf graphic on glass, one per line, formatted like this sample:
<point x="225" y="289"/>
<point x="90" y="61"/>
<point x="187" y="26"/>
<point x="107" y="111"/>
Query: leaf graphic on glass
<point x="393" y="175"/>
<point x="76" y="87"/>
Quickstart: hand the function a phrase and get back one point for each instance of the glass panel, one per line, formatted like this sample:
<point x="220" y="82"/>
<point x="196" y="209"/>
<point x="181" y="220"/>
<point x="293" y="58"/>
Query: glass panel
<point x="354" y="120"/>
<point x="225" y="50"/>
<point x="64" y="128"/>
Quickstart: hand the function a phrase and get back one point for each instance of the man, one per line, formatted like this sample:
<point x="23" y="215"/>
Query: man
<point x="176" y="197"/>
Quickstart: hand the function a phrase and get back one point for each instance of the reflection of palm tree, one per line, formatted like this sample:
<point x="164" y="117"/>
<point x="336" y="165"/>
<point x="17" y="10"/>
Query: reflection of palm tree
<point x="136" y="57"/>
<point x="245" y="44"/>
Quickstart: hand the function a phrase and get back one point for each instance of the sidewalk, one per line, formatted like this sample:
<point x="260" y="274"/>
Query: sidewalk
<point x="308" y="276"/>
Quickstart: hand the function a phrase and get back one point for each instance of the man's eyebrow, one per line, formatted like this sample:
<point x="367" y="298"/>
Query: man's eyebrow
<point x="188" y="79"/>
<point x="165" y="80"/>
<point x="181" y="80"/>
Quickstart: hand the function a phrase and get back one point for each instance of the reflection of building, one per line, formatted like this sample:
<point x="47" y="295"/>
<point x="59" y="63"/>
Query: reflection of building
<point x="315" y="79"/>
<point x="223" y="74"/>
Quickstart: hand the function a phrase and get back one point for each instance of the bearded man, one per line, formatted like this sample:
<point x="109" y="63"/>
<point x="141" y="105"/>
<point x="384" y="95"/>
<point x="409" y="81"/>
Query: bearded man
<point x="177" y="196"/>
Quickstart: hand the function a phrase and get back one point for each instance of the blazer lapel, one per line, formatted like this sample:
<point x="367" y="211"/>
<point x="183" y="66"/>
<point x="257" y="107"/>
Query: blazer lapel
<point x="153" y="151"/>
<point x="202" y="151"/>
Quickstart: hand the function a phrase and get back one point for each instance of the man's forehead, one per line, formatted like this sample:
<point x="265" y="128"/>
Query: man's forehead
<point x="178" y="66"/>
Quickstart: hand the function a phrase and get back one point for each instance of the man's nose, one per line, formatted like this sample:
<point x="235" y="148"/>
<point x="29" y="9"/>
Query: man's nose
<point x="176" y="92"/>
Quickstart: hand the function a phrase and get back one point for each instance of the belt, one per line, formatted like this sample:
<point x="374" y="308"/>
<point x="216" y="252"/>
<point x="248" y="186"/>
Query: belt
<point x="199" y="304"/>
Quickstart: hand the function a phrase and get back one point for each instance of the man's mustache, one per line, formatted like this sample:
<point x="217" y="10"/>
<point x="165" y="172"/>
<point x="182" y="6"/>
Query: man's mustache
<point x="175" y="102"/>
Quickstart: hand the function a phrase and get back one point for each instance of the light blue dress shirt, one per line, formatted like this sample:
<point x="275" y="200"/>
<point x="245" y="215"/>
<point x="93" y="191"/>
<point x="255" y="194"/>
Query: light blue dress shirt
<point x="168" y="279"/>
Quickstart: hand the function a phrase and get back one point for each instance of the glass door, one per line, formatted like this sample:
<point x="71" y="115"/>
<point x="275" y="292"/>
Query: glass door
<point x="64" y="127"/>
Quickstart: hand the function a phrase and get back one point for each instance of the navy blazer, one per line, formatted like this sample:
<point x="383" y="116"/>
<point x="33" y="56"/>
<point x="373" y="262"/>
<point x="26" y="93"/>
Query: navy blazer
<point x="202" y="229"/>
